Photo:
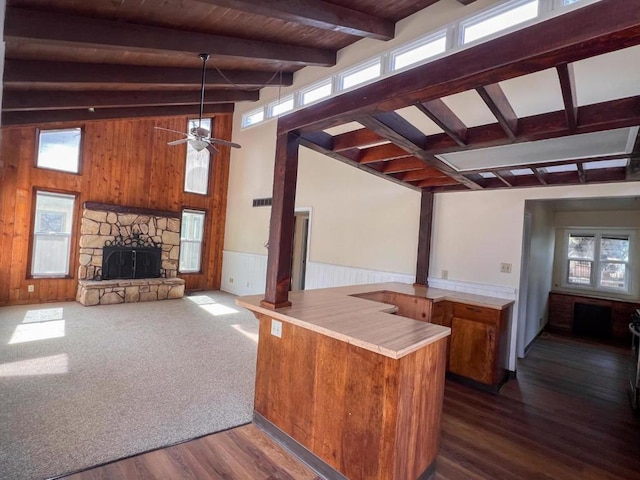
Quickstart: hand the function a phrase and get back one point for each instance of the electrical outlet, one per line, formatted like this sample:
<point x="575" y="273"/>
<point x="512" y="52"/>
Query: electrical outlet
<point x="505" y="268"/>
<point x="276" y="328"/>
<point x="31" y="288"/>
<point x="230" y="279"/>
<point x="445" y="274"/>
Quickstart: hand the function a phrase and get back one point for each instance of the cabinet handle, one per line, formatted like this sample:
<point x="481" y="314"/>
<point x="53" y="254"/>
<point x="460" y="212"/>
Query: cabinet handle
<point x="475" y="310"/>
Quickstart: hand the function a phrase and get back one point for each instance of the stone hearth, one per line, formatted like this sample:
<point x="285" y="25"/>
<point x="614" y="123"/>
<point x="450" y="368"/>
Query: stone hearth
<point x="109" y="292"/>
<point x="102" y="224"/>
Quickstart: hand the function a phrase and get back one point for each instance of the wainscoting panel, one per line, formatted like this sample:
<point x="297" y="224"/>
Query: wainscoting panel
<point x="323" y="275"/>
<point x="245" y="274"/>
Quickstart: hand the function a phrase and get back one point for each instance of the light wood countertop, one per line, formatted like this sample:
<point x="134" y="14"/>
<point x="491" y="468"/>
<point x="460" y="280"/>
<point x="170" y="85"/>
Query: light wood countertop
<point x="368" y="324"/>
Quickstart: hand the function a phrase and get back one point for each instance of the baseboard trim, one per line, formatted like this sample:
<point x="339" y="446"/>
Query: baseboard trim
<point x="303" y="454"/>
<point x="495" y="389"/>
<point x="315" y="463"/>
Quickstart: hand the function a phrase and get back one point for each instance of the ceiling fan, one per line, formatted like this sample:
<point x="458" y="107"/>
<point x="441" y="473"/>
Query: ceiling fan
<point x="199" y="138"/>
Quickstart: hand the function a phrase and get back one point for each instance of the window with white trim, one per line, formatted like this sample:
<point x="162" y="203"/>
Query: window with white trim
<point x="281" y="106"/>
<point x="191" y="234"/>
<point x="59" y="149"/>
<point x="53" y="221"/>
<point x="419" y="51"/>
<point x="361" y="74"/>
<point x="196" y="176"/>
<point x="316" y="92"/>
<point x="498" y="19"/>
<point x="253" y="117"/>
<point x="598" y="260"/>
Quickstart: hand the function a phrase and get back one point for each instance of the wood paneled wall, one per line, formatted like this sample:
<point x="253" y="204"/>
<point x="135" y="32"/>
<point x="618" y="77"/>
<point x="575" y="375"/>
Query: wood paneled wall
<point x="123" y="162"/>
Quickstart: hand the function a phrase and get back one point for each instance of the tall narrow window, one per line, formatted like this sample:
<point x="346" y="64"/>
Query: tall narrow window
<point x="59" y="149"/>
<point x="196" y="178"/>
<point x="191" y="241"/>
<point x="52" y="234"/>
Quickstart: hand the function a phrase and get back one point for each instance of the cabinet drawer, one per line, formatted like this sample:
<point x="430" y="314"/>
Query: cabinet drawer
<point x="481" y="314"/>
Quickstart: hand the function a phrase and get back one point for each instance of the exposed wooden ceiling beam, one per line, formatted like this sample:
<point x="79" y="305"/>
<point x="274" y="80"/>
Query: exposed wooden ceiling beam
<point x="423" y="174"/>
<point x="64" y="100"/>
<point x="322" y="142"/>
<point x="499" y="105"/>
<point x="29" y="71"/>
<point x="506" y="177"/>
<point x="595" y="29"/>
<point x="388" y="151"/>
<point x="316" y="13"/>
<point x="395" y="128"/>
<point x="356" y="138"/>
<point x="25" y="24"/>
<point x="593" y="118"/>
<point x="437" y="182"/>
<point x="402" y="165"/>
<point x="58" y="116"/>
<point x="443" y="116"/>
<point x="568" y="86"/>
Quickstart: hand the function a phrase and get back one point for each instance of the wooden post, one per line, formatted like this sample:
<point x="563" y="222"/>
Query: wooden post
<point x="282" y="222"/>
<point x="424" y="238"/>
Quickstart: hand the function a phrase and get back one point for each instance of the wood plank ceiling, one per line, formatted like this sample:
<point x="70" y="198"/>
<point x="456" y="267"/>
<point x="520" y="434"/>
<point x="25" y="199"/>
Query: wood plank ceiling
<point x="132" y="58"/>
<point x="74" y="61"/>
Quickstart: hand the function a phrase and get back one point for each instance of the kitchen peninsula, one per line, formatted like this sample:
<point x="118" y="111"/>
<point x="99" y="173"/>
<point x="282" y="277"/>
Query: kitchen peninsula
<point x="352" y="378"/>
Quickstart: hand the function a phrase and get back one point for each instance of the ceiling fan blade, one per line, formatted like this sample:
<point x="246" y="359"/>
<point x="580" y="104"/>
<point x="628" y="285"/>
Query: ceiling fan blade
<point x="224" y="142"/>
<point x="178" y="142"/>
<point x="174" y="131"/>
<point x="212" y="149"/>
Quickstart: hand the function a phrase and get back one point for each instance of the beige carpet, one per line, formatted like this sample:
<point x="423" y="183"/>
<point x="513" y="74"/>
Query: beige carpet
<point x="80" y="386"/>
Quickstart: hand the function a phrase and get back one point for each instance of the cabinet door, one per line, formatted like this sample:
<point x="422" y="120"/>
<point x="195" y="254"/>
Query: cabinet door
<point x="472" y="352"/>
<point x="560" y="312"/>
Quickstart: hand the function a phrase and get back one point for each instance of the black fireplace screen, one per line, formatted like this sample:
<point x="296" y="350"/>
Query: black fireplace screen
<point x="134" y="257"/>
<point x="130" y="262"/>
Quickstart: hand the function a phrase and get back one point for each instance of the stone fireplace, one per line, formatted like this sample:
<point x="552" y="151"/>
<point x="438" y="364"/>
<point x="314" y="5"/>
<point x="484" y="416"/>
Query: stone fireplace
<point x="118" y="246"/>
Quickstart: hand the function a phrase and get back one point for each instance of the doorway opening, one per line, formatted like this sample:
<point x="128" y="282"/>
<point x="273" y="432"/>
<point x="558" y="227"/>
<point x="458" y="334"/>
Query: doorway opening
<point x="300" y="249"/>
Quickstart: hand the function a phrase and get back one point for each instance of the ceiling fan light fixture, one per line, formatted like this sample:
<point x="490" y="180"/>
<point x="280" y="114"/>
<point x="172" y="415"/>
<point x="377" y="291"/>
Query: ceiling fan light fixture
<point x="198" y="144"/>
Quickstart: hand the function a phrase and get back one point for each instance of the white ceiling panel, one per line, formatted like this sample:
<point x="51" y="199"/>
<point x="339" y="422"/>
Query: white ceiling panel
<point x="587" y="145"/>
<point x="534" y="94"/>
<point x="608" y="77"/>
<point x="419" y="120"/>
<point x="470" y="108"/>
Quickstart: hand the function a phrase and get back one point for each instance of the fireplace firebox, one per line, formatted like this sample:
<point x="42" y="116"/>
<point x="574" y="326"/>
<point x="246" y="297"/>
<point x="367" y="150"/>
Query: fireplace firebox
<point x="131" y="262"/>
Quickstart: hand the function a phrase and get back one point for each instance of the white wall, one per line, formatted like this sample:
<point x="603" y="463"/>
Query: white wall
<point x="540" y="268"/>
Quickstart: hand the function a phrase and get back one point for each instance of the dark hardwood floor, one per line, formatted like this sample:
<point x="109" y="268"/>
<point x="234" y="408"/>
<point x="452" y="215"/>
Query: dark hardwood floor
<point x="566" y="417"/>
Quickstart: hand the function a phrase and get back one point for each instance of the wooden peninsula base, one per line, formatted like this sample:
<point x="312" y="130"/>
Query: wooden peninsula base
<point x="365" y="415"/>
<point x="353" y="389"/>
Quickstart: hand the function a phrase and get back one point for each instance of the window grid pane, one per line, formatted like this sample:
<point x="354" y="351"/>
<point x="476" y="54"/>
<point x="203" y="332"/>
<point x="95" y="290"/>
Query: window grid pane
<point x="580" y="272"/>
<point x="59" y="149"/>
<point x="419" y="53"/>
<point x="316" y="94"/>
<point x="52" y="234"/>
<point x="614" y="249"/>
<point x="191" y="234"/>
<point x="581" y="247"/>
<point x="613" y="275"/>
